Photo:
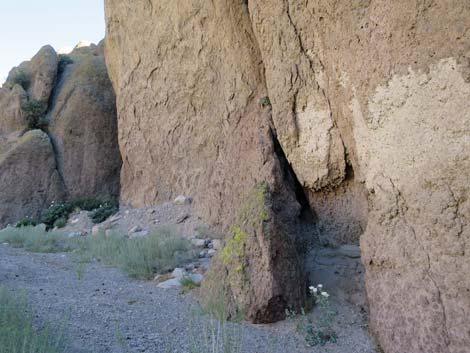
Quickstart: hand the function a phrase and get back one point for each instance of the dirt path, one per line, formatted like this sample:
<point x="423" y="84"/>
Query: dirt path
<point x="108" y="312"/>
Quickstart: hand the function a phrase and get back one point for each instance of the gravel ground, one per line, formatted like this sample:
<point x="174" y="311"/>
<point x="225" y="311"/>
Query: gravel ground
<point x="106" y="311"/>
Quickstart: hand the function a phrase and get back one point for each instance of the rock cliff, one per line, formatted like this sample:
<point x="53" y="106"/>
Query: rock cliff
<point x="58" y="133"/>
<point x="356" y="112"/>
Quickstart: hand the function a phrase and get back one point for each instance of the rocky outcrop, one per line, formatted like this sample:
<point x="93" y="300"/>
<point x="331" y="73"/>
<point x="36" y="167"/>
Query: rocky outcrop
<point x="58" y="133"/>
<point x="368" y="103"/>
<point x="191" y="122"/>
<point x="29" y="180"/>
<point x="83" y="126"/>
<point x="396" y="79"/>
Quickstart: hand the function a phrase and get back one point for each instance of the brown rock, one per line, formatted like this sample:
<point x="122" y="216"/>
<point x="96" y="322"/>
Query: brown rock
<point x="396" y="78"/>
<point x="39" y="74"/>
<point x="190" y="122"/>
<point x="29" y="181"/>
<point x="84" y="160"/>
<point x="83" y="126"/>
<point x="369" y="101"/>
<point x="11" y="99"/>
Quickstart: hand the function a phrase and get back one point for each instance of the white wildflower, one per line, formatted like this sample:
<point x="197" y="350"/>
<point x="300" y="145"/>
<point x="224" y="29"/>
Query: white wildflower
<point x="320" y="286"/>
<point x="325" y="294"/>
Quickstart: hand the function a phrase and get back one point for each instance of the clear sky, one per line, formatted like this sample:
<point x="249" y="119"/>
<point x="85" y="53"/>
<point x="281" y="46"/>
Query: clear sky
<point x="27" y="25"/>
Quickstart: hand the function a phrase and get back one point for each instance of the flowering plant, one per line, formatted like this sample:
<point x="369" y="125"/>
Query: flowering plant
<point x="322" y="331"/>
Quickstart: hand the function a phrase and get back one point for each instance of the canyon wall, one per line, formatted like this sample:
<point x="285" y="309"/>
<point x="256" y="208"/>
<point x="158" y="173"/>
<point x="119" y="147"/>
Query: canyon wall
<point x="58" y="133"/>
<point x="357" y="110"/>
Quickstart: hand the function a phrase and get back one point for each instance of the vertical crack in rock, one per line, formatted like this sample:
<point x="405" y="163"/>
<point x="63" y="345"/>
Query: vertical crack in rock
<point x="292" y="182"/>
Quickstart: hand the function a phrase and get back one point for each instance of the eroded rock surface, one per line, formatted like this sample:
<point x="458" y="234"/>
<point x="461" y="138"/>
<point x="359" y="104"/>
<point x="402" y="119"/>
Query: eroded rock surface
<point x="83" y="126"/>
<point x="369" y="104"/>
<point x="191" y="122"/>
<point x="29" y="180"/>
<point x="58" y="133"/>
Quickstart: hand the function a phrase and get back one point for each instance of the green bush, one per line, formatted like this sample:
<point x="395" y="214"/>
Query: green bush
<point x="35" y="239"/>
<point x="60" y="223"/>
<point x="33" y="111"/>
<point x="22" y="79"/>
<point x="17" y="331"/>
<point x="26" y="222"/>
<point x="56" y="212"/>
<point x="102" y="213"/>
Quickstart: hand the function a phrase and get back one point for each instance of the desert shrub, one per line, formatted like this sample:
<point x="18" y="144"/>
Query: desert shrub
<point x="60" y="223"/>
<point x="103" y="212"/>
<point x="35" y="239"/>
<point x="56" y="212"/>
<point x="64" y="60"/>
<point x="18" y="333"/>
<point x="21" y="78"/>
<point x="100" y="211"/>
<point x="26" y="222"/>
<point x="141" y="257"/>
<point x="33" y="111"/>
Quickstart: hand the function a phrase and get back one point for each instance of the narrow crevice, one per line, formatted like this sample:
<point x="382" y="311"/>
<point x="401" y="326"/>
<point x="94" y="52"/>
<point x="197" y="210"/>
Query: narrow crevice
<point x="306" y="214"/>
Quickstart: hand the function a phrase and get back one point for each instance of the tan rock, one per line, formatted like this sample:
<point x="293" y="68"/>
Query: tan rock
<point x="395" y="75"/>
<point x="39" y="74"/>
<point x="83" y="126"/>
<point x="369" y="102"/>
<point x="188" y="82"/>
<point x="29" y="181"/>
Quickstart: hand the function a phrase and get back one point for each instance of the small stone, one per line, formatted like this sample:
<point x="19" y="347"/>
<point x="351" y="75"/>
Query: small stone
<point x="196" y="278"/>
<point x="190" y="267"/>
<point x="211" y="252"/>
<point x="178" y="273"/>
<point x="75" y="221"/>
<point x="205" y="264"/>
<point x="217" y="244"/>
<point x="135" y="229"/>
<point x="181" y="200"/>
<point x="202" y="254"/>
<point x="199" y="243"/>
<point x="157" y="221"/>
<point x="171" y="283"/>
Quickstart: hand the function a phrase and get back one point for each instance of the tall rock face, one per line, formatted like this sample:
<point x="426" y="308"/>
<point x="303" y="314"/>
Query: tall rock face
<point x="83" y="127"/>
<point x="370" y="109"/>
<point x="393" y="78"/>
<point x="58" y="133"/>
<point x="191" y="122"/>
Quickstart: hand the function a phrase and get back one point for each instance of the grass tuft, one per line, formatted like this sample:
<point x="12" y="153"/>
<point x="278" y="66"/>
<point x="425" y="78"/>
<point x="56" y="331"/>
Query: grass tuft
<point x="17" y="331"/>
<point x="35" y="239"/>
<point x="141" y="257"/>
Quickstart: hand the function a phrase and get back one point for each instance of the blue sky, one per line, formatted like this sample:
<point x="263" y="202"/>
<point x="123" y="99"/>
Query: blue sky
<point x="27" y="25"/>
